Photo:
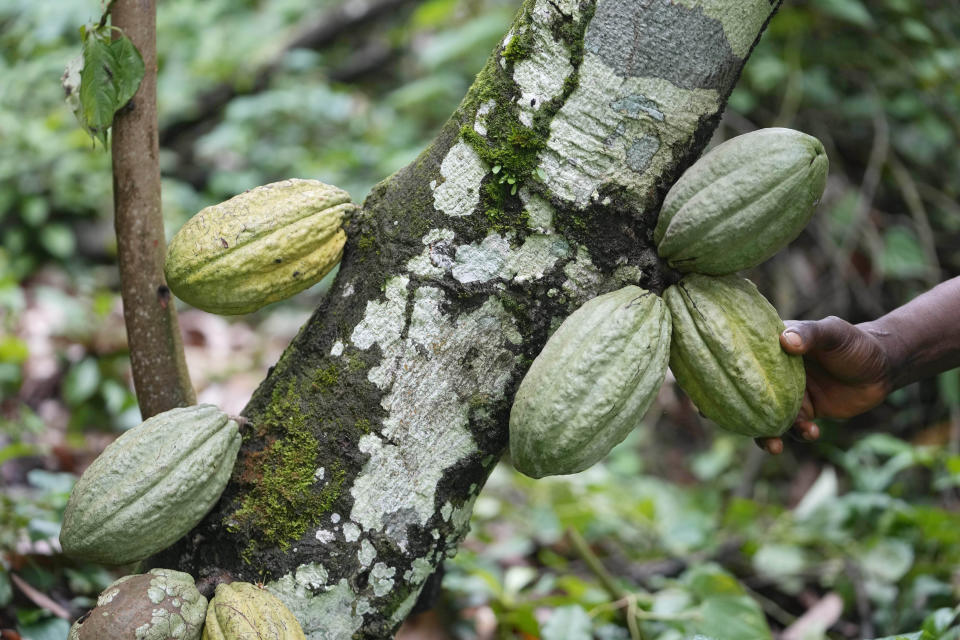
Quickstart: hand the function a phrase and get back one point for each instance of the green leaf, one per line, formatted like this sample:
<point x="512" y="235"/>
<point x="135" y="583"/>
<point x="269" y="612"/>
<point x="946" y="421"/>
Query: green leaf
<point x="852" y="11"/>
<point x="112" y="71"/>
<point x="81" y="382"/>
<point x="734" y="618"/>
<point x="48" y="629"/>
<point x="903" y="257"/>
<point x="98" y="93"/>
<point x="13" y="349"/>
<point x="568" y="623"/>
<point x="17" y="450"/>
<point x="58" y="240"/>
<point x="128" y="69"/>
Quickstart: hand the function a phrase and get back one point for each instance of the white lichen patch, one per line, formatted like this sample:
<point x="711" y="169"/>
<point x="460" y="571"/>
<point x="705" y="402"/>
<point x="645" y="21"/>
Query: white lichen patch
<point x="419" y="571"/>
<point x="381" y="577"/>
<point x="583" y="278"/>
<point x="539" y="211"/>
<point x="535" y="257"/>
<point x="383" y="321"/>
<point x="483" y="261"/>
<point x="446" y="511"/>
<point x="480" y="122"/>
<point x="325" y="537"/>
<point x="312" y="575"/>
<point x="436" y="259"/>
<point x="367" y="553"/>
<point x="741" y="20"/>
<point x="462" y="170"/>
<point x="324" y="615"/>
<point x="541" y="75"/>
<point x="334" y="518"/>
<point x="337" y="349"/>
<point x="619" y="131"/>
<point x="426" y="429"/>
<point x="351" y="532"/>
<point x="107" y="596"/>
<point x="318" y="474"/>
<point x="493" y="258"/>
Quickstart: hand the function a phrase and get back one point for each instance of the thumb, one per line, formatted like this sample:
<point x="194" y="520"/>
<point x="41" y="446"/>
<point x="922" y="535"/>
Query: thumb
<point x="798" y="337"/>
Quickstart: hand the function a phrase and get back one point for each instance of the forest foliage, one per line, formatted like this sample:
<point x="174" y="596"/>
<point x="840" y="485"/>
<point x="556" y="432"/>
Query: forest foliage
<point x="684" y="531"/>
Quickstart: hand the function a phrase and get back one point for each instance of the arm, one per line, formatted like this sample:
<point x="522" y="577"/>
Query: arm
<point x="852" y="368"/>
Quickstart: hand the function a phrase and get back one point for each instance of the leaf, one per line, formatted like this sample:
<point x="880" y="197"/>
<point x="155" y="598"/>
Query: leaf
<point x="734" y="618"/>
<point x="98" y="93"/>
<point x="112" y="71"/>
<point x="568" y="623"/>
<point x="48" y="629"/>
<point x="128" y="69"/>
<point x="81" y="382"/>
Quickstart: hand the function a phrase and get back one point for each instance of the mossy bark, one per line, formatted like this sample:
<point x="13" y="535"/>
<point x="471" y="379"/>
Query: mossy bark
<point x="370" y="439"/>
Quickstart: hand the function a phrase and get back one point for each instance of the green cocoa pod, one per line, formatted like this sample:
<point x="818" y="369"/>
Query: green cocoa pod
<point x="159" y="605"/>
<point x="726" y="355"/>
<point x="240" y="610"/>
<point x="261" y="246"/>
<point x="742" y="202"/>
<point x="150" y="486"/>
<point x="591" y="383"/>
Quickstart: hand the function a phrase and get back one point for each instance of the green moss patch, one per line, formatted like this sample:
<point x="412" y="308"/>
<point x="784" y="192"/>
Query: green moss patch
<point x="284" y="501"/>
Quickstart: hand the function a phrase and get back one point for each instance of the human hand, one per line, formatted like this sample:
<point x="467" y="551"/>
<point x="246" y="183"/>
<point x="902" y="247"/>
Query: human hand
<point x="848" y="372"/>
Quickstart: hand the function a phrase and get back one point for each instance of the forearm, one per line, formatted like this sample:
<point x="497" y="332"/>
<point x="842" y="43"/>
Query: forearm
<point x="921" y="338"/>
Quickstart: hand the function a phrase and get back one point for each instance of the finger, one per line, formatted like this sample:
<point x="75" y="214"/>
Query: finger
<point x="806" y="430"/>
<point x="796" y="339"/>
<point x="773" y="446"/>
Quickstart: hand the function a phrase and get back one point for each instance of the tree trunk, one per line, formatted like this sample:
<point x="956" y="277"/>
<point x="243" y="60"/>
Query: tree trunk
<point x="156" y="349"/>
<point x="372" y="436"/>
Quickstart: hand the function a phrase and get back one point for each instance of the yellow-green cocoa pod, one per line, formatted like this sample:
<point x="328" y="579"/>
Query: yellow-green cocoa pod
<point x="240" y="610"/>
<point x="159" y="605"/>
<point x="742" y="202"/>
<point x="591" y="384"/>
<point x="726" y="355"/>
<point x="150" y="486"/>
<point x="261" y="246"/>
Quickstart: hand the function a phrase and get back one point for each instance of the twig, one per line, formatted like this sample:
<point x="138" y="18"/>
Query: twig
<point x="771" y="608"/>
<point x="593" y="562"/>
<point x="39" y="599"/>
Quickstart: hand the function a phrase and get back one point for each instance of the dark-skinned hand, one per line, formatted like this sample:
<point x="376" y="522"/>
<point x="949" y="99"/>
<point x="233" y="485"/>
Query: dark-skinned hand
<point x="848" y="372"/>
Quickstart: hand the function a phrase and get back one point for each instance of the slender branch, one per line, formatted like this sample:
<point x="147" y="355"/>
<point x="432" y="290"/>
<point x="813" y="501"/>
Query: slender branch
<point x="156" y="347"/>
<point x="583" y="550"/>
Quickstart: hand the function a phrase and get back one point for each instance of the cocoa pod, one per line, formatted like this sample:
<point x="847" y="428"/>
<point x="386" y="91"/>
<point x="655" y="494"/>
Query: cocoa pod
<point x="742" y="202"/>
<point x="726" y="355"/>
<point x="591" y="384"/>
<point x="259" y="247"/>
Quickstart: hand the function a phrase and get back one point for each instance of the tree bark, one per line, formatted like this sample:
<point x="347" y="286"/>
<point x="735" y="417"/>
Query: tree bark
<point x="372" y="436"/>
<point x="156" y="348"/>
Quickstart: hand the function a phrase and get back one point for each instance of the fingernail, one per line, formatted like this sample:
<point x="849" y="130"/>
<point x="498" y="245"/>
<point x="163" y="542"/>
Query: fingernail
<point x="793" y="338"/>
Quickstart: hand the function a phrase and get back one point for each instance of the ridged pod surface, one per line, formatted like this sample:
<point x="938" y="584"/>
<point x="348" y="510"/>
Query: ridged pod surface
<point x="726" y="355"/>
<point x="240" y="610"/>
<point x="742" y="202"/>
<point x="159" y="605"/>
<point x="150" y="486"/>
<point x="591" y="384"/>
<point x="261" y="246"/>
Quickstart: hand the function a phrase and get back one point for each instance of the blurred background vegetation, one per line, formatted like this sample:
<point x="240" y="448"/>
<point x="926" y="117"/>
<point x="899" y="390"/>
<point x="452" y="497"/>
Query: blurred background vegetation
<point x="683" y="530"/>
